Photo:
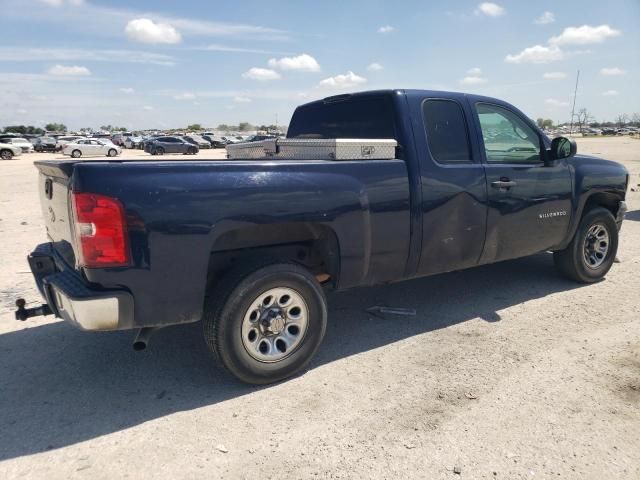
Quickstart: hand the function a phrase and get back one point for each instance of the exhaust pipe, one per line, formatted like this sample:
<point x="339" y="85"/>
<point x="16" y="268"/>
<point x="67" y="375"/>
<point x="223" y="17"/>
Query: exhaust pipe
<point x="142" y="338"/>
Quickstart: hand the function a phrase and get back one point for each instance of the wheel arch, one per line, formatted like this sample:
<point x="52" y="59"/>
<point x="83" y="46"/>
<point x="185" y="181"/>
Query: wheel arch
<point x="314" y="246"/>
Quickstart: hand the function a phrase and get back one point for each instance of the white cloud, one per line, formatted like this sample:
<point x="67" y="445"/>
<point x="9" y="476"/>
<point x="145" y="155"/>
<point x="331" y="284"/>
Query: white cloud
<point x="474" y="72"/>
<point x="60" y="3"/>
<point x="303" y="63"/>
<point x="240" y="99"/>
<point x="226" y="48"/>
<point x="261" y="74"/>
<point x="472" y="80"/>
<point x="31" y="54"/>
<point x="127" y="90"/>
<point x="545" y="18"/>
<point x="185" y="96"/>
<point x="375" y="67"/>
<point x="147" y="107"/>
<point x="610" y="93"/>
<point x="347" y="80"/>
<point x="552" y="102"/>
<point x="386" y="29"/>
<point x="554" y="75"/>
<point x="536" y="54"/>
<point x="584" y="35"/>
<point x="490" y="9"/>
<point x="69" y="71"/>
<point x="612" y="71"/>
<point x="146" y="30"/>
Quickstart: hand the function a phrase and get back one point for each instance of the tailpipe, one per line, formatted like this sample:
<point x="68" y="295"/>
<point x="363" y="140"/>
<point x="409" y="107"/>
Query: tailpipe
<point x="142" y="338"/>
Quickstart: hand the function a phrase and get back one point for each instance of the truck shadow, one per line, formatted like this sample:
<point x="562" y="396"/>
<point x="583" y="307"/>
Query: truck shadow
<point x="60" y="386"/>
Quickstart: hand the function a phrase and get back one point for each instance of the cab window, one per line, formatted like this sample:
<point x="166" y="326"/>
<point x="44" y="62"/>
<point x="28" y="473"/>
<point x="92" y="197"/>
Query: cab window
<point x="507" y="137"/>
<point x="446" y="131"/>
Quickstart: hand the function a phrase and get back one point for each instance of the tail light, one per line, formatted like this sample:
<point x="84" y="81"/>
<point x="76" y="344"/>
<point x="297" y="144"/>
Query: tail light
<point x="101" y="231"/>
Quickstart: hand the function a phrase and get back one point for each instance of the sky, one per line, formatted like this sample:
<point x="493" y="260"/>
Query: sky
<point x="167" y="64"/>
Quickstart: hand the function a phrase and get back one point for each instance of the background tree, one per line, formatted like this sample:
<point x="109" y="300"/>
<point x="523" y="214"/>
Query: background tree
<point x="622" y="120"/>
<point x="55" y="127"/>
<point x="583" y="117"/>
<point x="635" y="119"/>
<point x="21" y="129"/>
<point x="244" y="126"/>
<point x="194" y="126"/>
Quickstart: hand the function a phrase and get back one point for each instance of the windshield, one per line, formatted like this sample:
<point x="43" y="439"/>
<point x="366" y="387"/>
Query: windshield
<point x="198" y="138"/>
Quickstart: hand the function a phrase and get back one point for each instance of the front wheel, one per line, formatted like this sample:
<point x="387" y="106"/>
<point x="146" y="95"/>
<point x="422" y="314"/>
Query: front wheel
<point x="264" y="323"/>
<point x="591" y="253"/>
<point x="76" y="154"/>
<point x="6" y="154"/>
<point x="112" y="152"/>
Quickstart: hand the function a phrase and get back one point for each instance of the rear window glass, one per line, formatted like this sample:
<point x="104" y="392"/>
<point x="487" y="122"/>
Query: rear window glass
<point x="446" y="131"/>
<point x="356" y="117"/>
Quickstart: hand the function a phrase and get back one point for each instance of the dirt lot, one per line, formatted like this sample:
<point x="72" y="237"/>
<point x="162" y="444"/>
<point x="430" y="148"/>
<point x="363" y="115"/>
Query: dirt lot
<point x="508" y="371"/>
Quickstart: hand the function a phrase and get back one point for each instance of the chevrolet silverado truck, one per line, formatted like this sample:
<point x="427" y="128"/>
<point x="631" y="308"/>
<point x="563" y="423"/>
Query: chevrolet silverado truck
<point x="251" y="247"/>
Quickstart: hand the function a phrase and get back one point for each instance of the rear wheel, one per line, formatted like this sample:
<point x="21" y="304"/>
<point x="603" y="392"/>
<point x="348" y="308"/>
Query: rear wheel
<point x="112" y="152"/>
<point x="76" y="154"/>
<point x="193" y="150"/>
<point x="6" y="154"/>
<point x="591" y="253"/>
<point x="265" y="322"/>
<point x="159" y="151"/>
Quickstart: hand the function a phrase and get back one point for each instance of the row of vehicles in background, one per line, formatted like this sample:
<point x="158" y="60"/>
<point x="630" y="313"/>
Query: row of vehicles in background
<point x="112" y="145"/>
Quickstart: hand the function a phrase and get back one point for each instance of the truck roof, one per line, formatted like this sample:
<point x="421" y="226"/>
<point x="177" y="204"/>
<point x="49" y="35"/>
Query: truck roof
<point x="407" y="92"/>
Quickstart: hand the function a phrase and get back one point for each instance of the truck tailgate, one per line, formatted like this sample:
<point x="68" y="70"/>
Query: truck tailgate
<point x="53" y="188"/>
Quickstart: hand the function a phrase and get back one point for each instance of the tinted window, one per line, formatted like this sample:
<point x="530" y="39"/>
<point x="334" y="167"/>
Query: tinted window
<point x="507" y="137"/>
<point x="446" y="131"/>
<point x="368" y="116"/>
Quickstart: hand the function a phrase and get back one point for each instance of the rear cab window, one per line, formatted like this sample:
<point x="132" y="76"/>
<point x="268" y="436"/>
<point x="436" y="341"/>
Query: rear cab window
<point x="446" y="130"/>
<point x="359" y="116"/>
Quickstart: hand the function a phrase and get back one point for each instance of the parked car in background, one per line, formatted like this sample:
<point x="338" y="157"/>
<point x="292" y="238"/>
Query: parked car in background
<point x="8" y="151"/>
<point x="45" y="144"/>
<point x="91" y="147"/>
<point x="168" y="144"/>
<point x="216" y="142"/>
<point x="133" y="142"/>
<point x="119" y="138"/>
<point x="5" y="136"/>
<point x="259" y="138"/>
<point x="198" y="140"/>
<point x="23" y="143"/>
<point x="67" y="139"/>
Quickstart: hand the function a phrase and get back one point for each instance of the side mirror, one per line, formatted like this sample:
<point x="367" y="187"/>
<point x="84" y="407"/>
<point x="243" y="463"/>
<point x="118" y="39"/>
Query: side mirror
<point x="562" y="147"/>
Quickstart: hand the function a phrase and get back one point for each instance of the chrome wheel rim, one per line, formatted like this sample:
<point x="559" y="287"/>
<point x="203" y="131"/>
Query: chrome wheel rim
<point x="6" y="155"/>
<point x="275" y="324"/>
<point x="596" y="246"/>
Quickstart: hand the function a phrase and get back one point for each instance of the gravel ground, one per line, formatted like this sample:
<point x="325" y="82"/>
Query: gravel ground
<point x="507" y="371"/>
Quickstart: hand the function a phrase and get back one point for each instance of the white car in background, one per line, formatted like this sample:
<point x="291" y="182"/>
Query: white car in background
<point x="25" y="145"/>
<point x="8" y="150"/>
<point x="91" y="147"/>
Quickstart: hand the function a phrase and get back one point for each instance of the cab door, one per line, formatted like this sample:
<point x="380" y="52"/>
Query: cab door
<point x="529" y="201"/>
<point x="454" y="191"/>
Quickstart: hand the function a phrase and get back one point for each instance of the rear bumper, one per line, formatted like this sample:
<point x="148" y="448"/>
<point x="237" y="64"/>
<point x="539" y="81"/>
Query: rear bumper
<point x="73" y="299"/>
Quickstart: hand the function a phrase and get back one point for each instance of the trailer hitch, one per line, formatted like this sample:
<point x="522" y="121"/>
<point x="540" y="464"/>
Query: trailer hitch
<point x="23" y="313"/>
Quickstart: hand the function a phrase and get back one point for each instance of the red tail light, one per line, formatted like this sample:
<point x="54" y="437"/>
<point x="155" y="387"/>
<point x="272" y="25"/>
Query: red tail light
<point x="101" y="231"/>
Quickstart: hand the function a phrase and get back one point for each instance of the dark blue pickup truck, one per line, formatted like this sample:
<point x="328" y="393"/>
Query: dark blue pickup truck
<point x="250" y="247"/>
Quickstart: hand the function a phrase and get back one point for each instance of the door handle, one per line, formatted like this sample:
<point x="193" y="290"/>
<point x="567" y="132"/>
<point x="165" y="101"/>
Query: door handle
<point x="503" y="184"/>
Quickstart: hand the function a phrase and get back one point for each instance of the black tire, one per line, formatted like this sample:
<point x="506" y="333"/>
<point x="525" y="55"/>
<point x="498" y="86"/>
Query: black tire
<point x="159" y="151"/>
<point x="192" y="151"/>
<point x="112" y="152"/>
<point x="6" y="154"/>
<point x="76" y="154"/>
<point x="572" y="261"/>
<point x="227" y="305"/>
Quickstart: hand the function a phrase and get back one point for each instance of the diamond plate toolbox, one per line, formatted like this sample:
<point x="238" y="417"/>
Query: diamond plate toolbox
<point x="315" y="149"/>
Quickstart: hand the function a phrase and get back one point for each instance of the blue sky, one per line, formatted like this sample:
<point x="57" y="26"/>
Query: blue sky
<point x="161" y="64"/>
